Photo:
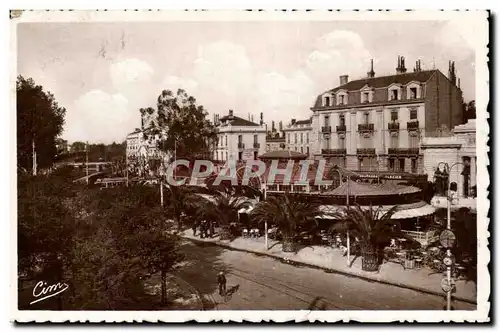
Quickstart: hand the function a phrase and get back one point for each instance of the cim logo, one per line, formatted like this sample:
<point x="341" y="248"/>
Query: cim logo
<point x="43" y="291"/>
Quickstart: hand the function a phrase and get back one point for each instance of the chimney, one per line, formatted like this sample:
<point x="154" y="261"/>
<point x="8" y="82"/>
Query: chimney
<point x="293" y="122"/>
<point x="251" y="118"/>
<point x="272" y="127"/>
<point x="401" y="69"/>
<point x="344" y="79"/>
<point x="230" y="113"/>
<point x="261" y="118"/>
<point x="281" y="126"/>
<point x="371" y="73"/>
<point x="417" y="66"/>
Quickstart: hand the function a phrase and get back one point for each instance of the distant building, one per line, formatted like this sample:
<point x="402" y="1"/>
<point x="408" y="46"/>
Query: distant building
<point x="134" y="142"/>
<point x="298" y="136"/>
<point x="276" y="143"/>
<point x="458" y="148"/>
<point x="376" y="123"/>
<point x="239" y="139"/>
<point x="62" y="146"/>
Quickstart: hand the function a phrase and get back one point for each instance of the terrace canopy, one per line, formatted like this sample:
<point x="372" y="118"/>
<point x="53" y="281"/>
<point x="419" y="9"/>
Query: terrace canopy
<point x="403" y="211"/>
<point x="368" y="189"/>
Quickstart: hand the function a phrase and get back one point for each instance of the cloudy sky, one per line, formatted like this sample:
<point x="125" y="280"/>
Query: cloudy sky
<point x="102" y="73"/>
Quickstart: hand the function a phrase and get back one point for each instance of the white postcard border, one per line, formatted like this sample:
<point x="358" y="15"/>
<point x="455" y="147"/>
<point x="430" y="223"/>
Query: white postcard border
<point x="478" y="18"/>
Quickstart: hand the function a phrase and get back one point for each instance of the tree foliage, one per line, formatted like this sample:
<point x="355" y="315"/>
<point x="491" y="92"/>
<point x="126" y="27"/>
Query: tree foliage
<point x="180" y="124"/>
<point x="100" y="242"/>
<point x="40" y="120"/>
<point x="289" y="213"/>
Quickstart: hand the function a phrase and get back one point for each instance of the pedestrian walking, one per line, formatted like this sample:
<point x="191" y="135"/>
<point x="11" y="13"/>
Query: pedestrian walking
<point x="203" y="229"/>
<point x="195" y="226"/>
<point x="212" y="229"/>
<point x="221" y="281"/>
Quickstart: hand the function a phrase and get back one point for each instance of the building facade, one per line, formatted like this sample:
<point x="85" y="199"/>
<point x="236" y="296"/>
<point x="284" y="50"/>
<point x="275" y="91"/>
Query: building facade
<point x="276" y="143"/>
<point x="134" y="142"/>
<point x="239" y="139"/>
<point x="298" y="136"/>
<point x="458" y="150"/>
<point x="377" y="123"/>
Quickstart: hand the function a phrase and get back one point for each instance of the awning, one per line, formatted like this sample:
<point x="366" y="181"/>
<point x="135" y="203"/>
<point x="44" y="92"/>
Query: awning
<point x="456" y="203"/>
<point x="404" y="211"/>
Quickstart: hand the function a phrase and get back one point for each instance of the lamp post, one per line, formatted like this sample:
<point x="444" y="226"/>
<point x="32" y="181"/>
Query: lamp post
<point x="448" y="169"/>
<point x="347" y="204"/>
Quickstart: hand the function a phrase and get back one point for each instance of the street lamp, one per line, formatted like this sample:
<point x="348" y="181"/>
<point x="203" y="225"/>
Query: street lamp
<point x="347" y="204"/>
<point x="447" y="170"/>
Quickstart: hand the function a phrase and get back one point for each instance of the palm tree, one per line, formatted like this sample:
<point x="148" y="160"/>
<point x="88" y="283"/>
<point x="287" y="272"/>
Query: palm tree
<point x="374" y="229"/>
<point x="289" y="213"/>
<point x="224" y="209"/>
<point x="177" y="198"/>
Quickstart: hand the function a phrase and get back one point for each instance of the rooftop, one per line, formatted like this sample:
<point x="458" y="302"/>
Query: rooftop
<point x="237" y="121"/>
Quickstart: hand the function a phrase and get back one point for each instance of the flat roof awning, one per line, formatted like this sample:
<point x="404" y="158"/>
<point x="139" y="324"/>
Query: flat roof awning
<point x="404" y="211"/>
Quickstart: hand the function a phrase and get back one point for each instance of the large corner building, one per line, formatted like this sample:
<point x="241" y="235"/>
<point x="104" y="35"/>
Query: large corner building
<point x="377" y="123"/>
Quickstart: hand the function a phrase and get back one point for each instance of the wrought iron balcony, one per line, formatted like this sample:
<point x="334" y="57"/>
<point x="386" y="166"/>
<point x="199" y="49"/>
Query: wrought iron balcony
<point x="341" y="129"/>
<point x="366" y="151"/>
<point x="326" y="129"/>
<point x="403" y="152"/>
<point x="366" y="127"/>
<point x="256" y="145"/>
<point x="334" y="152"/>
<point x="241" y="145"/>
<point x="393" y="126"/>
<point x="412" y="125"/>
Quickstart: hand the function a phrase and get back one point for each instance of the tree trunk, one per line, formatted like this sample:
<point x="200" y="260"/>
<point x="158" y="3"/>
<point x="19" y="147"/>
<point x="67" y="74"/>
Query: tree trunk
<point x="370" y="260"/>
<point x="288" y="243"/>
<point x="163" y="287"/>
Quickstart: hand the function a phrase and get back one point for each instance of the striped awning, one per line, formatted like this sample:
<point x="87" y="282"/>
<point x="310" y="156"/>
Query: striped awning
<point x="404" y="211"/>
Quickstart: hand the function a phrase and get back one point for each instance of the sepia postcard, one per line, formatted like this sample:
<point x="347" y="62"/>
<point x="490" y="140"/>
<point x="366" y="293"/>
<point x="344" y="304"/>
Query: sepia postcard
<point x="249" y="166"/>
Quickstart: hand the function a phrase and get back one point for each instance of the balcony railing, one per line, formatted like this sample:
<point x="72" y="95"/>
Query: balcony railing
<point x="335" y="152"/>
<point x="393" y="126"/>
<point x="256" y="145"/>
<point x="403" y="152"/>
<point x="412" y="125"/>
<point x="341" y="129"/>
<point x="366" y="151"/>
<point x="366" y="127"/>
<point x="241" y="145"/>
<point x="326" y="129"/>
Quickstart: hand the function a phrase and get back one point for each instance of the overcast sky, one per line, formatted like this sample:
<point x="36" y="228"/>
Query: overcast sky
<point x="102" y="73"/>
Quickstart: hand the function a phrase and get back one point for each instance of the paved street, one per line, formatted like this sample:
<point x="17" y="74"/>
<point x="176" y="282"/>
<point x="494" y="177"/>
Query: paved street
<point x="262" y="283"/>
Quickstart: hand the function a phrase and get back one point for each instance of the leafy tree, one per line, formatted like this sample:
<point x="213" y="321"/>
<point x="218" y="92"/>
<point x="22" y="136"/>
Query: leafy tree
<point x="180" y="124"/>
<point x="289" y="213"/>
<point x="40" y="121"/>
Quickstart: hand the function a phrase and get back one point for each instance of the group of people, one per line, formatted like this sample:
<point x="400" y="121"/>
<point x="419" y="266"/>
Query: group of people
<point x="206" y="228"/>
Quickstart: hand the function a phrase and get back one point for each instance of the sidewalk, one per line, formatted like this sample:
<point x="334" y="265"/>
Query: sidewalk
<point x="180" y="294"/>
<point x="331" y="259"/>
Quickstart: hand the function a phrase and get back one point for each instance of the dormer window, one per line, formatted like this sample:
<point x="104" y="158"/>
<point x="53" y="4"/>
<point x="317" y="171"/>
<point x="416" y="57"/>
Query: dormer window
<point x="327" y="101"/>
<point x="413" y="93"/>
<point x="394" y="94"/>
<point x="342" y="99"/>
<point x="365" y="98"/>
<point x="366" y="94"/>
<point x="413" y="90"/>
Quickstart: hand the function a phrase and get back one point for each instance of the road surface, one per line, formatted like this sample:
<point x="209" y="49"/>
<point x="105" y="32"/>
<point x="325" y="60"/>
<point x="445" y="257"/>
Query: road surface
<point x="263" y="283"/>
